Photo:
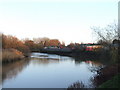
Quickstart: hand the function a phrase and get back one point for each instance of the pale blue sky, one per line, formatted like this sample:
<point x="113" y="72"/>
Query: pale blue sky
<point x="64" y="20"/>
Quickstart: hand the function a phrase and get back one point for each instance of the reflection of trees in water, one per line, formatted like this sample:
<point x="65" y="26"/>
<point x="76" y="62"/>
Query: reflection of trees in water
<point x="12" y="69"/>
<point x="43" y="61"/>
<point x="77" y="85"/>
<point x="83" y="58"/>
<point x="88" y="57"/>
<point x="94" y="66"/>
<point x="90" y="62"/>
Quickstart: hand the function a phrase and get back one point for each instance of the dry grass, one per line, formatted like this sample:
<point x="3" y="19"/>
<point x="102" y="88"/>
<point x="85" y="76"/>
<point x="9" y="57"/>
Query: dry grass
<point x="9" y="55"/>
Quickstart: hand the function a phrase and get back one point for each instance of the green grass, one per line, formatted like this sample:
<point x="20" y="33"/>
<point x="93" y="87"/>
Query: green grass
<point x="112" y="83"/>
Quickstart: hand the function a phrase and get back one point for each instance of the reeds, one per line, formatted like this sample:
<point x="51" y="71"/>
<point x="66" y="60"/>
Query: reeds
<point x="10" y="55"/>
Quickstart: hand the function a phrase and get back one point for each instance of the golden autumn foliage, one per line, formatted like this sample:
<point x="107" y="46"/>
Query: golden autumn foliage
<point x="32" y="45"/>
<point x="54" y="42"/>
<point x="9" y="41"/>
<point x="9" y="55"/>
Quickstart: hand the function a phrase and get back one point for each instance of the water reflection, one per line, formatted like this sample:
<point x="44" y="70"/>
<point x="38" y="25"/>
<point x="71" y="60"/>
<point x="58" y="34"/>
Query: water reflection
<point x="39" y="61"/>
<point x="11" y="70"/>
<point x="45" y="59"/>
<point x="77" y="84"/>
<point x="48" y="71"/>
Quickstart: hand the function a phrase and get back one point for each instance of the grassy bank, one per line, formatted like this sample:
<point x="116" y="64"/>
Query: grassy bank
<point x="112" y="83"/>
<point x="10" y="55"/>
<point x="105" y="74"/>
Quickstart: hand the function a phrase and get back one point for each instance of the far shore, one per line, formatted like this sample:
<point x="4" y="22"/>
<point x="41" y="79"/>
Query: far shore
<point x="11" y="55"/>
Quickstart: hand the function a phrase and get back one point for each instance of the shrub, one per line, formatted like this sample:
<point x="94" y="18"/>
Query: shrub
<point x="9" y="55"/>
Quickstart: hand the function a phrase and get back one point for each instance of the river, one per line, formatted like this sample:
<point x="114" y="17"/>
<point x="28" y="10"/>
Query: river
<point x="49" y="71"/>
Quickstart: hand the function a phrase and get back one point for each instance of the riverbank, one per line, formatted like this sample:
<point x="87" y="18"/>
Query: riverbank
<point x="10" y="55"/>
<point x="112" y="83"/>
<point x="107" y="77"/>
<point x="72" y="53"/>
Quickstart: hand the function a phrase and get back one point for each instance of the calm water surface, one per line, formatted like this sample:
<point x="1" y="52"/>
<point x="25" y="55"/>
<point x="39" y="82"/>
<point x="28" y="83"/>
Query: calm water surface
<point x="48" y="71"/>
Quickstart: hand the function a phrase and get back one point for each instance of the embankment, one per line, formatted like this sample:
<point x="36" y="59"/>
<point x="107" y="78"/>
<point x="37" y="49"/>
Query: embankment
<point x="10" y="55"/>
<point x="107" y="76"/>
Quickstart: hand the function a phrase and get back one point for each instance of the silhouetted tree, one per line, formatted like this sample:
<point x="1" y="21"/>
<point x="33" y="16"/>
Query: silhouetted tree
<point x="71" y="45"/>
<point x="107" y="34"/>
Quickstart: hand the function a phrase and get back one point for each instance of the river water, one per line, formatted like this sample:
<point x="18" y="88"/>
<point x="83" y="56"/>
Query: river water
<point x="49" y="71"/>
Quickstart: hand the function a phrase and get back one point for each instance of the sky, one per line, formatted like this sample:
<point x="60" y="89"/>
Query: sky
<point x="66" y="20"/>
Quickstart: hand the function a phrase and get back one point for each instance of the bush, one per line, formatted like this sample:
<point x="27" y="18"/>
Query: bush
<point x="9" y="41"/>
<point x="9" y="55"/>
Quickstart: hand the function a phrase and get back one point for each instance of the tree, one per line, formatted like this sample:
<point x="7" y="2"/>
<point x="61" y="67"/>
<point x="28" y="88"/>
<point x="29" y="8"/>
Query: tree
<point x="54" y="42"/>
<point x="9" y="42"/>
<point x="63" y="43"/>
<point x="42" y="42"/>
<point x="30" y="44"/>
<point x="107" y="34"/>
<point x="39" y="40"/>
<point x="71" y="45"/>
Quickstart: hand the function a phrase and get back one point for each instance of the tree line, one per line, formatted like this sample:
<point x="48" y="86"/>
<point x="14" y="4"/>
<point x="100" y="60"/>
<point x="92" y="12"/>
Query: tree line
<point x="27" y="45"/>
<point x="105" y="36"/>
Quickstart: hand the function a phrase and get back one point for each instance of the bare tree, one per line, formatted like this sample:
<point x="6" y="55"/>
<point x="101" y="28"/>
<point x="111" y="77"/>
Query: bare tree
<point x="108" y="33"/>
